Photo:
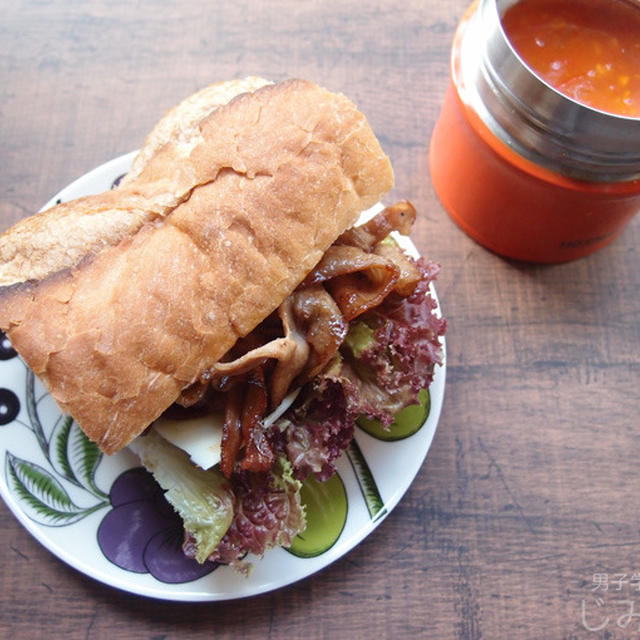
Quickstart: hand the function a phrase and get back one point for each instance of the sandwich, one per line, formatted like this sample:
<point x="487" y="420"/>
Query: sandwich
<point x="223" y="289"/>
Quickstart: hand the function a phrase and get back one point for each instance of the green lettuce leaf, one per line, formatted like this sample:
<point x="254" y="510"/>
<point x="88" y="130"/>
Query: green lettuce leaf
<point x="203" y="499"/>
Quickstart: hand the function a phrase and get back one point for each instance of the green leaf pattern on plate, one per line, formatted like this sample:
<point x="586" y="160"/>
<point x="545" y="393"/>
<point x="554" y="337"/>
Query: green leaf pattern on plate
<point x="32" y="412"/>
<point x="44" y="498"/>
<point x="74" y="456"/>
<point x="58" y="448"/>
<point x="70" y="457"/>
<point x="368" y="486"/>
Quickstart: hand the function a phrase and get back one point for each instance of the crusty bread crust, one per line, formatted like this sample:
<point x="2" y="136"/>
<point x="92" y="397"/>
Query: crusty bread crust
<point x="275" y="177"/>
<point x="180" y="124"/>
<point x="60" y="237"/>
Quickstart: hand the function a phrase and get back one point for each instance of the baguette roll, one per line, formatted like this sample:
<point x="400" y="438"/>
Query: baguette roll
<point x="120" y="301"/>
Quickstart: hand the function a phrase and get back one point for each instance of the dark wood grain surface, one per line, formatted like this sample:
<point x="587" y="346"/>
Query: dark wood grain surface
<point x="530" y="490"/>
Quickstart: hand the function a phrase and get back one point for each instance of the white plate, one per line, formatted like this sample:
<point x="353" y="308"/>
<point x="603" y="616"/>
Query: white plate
<point x="63" y="493"/>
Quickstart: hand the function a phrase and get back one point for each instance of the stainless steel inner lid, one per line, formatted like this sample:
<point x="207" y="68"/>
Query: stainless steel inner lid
<point x="535" y="119"/>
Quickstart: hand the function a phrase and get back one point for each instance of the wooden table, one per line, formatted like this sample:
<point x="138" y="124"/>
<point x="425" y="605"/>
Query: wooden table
<point x="528" y="500"/>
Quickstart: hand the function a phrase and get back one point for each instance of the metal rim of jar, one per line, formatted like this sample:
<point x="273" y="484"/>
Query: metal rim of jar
<point x="534" y="119"/>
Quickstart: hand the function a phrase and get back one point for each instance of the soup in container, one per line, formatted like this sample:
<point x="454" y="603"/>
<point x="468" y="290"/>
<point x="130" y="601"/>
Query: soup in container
<point x="536" y="153"/>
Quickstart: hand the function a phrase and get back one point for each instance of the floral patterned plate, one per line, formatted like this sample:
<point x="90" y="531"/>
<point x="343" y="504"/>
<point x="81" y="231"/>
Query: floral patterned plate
<point x="105" y="517"/>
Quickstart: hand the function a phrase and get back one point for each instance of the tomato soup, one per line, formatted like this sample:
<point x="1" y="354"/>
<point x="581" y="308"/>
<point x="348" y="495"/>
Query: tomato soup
<point x="589" y="50"/>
